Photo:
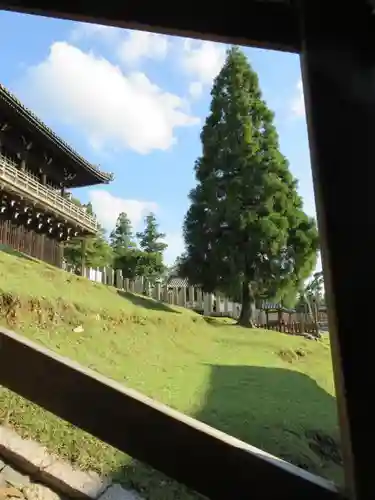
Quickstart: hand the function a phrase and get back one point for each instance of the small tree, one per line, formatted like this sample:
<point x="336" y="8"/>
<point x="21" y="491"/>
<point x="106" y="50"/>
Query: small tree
<point x="149" y="239"/>
<point x="138" y="263"/>
<point x="121" y="238"/>
<point x="151" y="265"/>
<point x="245" y="232"/>
<point x="98" y="253"/>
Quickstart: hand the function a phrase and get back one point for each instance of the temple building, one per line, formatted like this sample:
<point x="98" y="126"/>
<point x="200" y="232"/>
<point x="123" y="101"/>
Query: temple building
<point x="37" y="171"/>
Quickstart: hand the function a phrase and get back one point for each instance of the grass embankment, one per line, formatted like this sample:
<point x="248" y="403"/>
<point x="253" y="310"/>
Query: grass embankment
<point x="271" y="390"/>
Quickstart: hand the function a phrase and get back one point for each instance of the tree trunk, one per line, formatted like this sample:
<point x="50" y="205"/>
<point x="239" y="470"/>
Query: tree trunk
<point x="248" y="304"/>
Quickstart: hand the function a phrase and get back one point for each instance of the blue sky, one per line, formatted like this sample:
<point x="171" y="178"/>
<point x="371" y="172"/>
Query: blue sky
<point x="134" y="103"/>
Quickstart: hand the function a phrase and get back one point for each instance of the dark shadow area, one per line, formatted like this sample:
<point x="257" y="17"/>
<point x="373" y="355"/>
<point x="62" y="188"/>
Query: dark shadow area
<point x="278" y="410"/>
<point x="147" y="303"/>
<point x="213" y="321"/>
<point x="16" y="253"/>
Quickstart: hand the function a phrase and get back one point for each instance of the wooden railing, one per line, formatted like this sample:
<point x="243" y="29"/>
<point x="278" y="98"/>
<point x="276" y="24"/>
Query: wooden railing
<point x="205" y="459"/>
<point x="26" y="184"/>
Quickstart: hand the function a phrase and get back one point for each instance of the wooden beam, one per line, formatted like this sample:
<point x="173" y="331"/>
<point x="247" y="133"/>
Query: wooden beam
<point x="267" y="24"/>
<point x="206" y="460"/>
<point x="338" y="64"/>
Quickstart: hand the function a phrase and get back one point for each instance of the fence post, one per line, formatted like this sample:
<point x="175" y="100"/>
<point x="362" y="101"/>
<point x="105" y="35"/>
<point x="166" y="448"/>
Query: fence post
<point x="119" y="280"/>
<point x="126" y="284"/>
<point x="191" y="296"/>
<point x="182" y="297"/>
<point x="207" y="304"/>
<point x="157" y="291"/>
<point x="226" y="306"/>
<point x="104" y="276"/>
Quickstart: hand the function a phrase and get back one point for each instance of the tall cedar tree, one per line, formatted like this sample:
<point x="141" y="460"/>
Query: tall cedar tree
<point x="245" y="230"/>
<point x="121" y="238"/>
<point x="149" y="239"/>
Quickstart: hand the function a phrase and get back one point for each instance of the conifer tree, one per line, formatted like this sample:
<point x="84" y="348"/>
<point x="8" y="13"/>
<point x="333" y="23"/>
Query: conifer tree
<point x="121" y="238"/>
<point x="245" y="232"/>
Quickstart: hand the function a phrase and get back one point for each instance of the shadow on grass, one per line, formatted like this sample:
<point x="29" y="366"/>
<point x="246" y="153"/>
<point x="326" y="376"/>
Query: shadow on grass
<point x="16" y="253"/>
<point x="281" y="411"/>
<point x="213" y="321"/>
<point x="278" y="410"/>
<point x="147" y="303"/>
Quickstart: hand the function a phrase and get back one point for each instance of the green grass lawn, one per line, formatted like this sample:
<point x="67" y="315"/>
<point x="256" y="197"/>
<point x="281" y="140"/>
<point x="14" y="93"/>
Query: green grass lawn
<point x="269" y="389"/>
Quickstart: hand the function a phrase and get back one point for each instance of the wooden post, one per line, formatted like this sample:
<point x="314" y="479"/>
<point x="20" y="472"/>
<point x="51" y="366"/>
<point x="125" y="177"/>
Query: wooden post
<point x="226" y="306"/>
<point x="207" y="304"/>
<point x="119" y="280"/>
<point x="182" y="297"/>
<point x="157" y="291"/>
<point x="338" y="70"/>
<point x="192" y="295"/>
<point x="83" y="255"/>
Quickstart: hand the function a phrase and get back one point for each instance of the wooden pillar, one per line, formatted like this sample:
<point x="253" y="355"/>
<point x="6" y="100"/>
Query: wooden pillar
<point x="338" y="69"/>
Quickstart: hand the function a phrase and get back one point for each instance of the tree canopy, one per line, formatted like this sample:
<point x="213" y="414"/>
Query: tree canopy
<point x="121" y="238"/>
<point x="150" y="238"/>
<point x="98" y="252"/>
<point x="245" y="232"/>
<point x="145" y="261"/>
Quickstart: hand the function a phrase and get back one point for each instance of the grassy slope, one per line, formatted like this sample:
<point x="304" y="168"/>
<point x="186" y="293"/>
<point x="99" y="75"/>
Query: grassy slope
<point x="251" y="384"/>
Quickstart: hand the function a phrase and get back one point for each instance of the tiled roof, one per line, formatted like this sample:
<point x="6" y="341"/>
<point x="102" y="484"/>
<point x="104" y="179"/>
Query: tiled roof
<point x="178" y="282"/>
<point x="12" y="101"/>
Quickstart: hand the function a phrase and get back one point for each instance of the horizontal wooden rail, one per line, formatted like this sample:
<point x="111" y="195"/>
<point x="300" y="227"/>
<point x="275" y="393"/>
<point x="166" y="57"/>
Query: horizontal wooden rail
<point x="203" y="458"/>
<point x="27" y="184"/>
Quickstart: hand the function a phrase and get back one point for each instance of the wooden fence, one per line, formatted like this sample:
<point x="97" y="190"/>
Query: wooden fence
<point x="194" y="298"/>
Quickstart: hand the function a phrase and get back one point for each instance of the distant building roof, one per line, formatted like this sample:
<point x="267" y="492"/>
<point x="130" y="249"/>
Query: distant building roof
<point x="34" y="123"/>
<point x="176" y="282"/>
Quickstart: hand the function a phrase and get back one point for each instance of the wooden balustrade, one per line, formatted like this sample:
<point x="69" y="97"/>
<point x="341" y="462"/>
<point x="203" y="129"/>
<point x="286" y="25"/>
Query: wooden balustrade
<point x="24" y="183"/>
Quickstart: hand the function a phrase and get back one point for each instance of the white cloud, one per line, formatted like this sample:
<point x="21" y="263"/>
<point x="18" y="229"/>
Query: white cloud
<point x="114" y="110"/>
<point x="108" y="207"/>
<point x="175" y="247"/>
<point x="141" y="44"/>
<point x="298" y="103"/>
<point x="195" y="89"/>
<point x="83" y="31"/>
<point x="129" y="46"/>
<point x="202" y="60"/>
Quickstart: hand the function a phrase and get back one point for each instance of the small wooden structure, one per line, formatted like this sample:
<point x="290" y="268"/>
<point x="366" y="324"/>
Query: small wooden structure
<point x="36" y="169"/>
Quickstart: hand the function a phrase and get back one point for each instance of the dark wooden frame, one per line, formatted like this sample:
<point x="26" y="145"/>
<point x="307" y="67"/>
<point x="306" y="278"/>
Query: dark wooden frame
<point x="336" y="42"/>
